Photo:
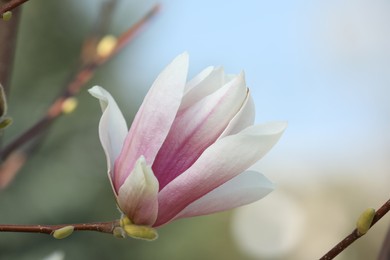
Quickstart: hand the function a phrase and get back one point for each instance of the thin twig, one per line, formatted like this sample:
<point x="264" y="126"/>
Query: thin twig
<point x="83" y="75"/>
<point x="8" y="33"/>
<point x="348" y="240"/>
<point x="104" y="227"/>
<point x="11" y="5"/>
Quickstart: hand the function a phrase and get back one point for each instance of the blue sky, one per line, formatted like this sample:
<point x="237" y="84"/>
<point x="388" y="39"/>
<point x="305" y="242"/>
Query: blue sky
<point x="320" y="65"/>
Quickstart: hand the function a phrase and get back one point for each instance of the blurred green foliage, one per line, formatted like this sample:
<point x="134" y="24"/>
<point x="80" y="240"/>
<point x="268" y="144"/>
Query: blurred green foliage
<point x="65" y="180"/>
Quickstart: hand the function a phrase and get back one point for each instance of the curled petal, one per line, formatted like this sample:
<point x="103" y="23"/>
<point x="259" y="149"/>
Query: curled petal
<point x="243" y="189"/>
<point x="137" y="197"/>
<point x="112" y="126"/>
<point x="154" y="118"/>
<point x="219" y="163"/>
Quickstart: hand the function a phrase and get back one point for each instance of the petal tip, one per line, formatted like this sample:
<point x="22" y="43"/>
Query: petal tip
<point x="183" y="59"/>
<point x="96" y="91"/>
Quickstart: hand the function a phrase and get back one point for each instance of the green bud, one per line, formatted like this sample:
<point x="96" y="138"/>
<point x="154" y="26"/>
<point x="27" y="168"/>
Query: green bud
<point x="3" y="102"/>
<point x="5" y="122"/>
<point x="7" y="16"/>
<point x="141" y="232"/>
<point x="106" y="45"/>
<point x="125" y="221"/>
<point x="63" y="232"/>
<point x="69" y="105"/>
<point x="364" y="222"/>
<point x="118" y="232"/>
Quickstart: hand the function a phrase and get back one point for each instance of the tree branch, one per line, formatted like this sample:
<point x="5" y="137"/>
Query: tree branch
<point x="8" y="33"/>
<point x="103" y="227"/>
<point x="348" y="240"/>
<point x="73" y="87"/>
<point x="11" y="5"/>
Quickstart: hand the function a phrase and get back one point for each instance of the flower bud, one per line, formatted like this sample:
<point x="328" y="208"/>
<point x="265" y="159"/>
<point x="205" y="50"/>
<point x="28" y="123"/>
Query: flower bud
<point x="106" y="46"/>
<point x="118" y="232"/>
<point x="141" y="232"/>
<point x="364" y="221"/>
<point x="63" y="232"/>
<point x="69" y="105"/>
<point x="7" y="16"/>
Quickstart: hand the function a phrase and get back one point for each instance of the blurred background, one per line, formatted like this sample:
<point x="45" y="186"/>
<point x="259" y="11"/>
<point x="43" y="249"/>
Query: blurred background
<point x="321" y="65"/>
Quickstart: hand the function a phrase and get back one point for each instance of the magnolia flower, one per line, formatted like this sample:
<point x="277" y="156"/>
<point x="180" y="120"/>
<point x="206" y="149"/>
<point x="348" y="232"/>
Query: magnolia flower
<point x="189" y="147"/>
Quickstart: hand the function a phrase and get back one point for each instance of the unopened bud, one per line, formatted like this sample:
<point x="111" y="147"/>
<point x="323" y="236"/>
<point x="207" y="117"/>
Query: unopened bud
<point x="141" y="232"/>
<point x="364" y="221"/>
<point x="7" y="16"/>
<point x="3" y="102"/>
<point x="4" y="119"/>
<point x="63" y="232"/>
<point x="118" y="232"/>
<point x="69" y="105"/>
<point x="125" y="221"/>
<point x="4" y="122"/>
<point x="106" y="45"/>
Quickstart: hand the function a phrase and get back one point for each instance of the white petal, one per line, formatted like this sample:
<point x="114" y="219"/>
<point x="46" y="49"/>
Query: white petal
<point x="243" y="189"/>
<point x="219" y="163"/>
<point x="205" y="83"/>
<point x="244" y="118"/>
<point x="137" y="197"/>
<point x="199" y="78"/>
<point x="112" y="126"/>
<point x="154" y="118"/>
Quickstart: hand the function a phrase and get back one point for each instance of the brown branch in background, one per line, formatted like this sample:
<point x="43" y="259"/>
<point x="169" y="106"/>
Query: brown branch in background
<point x="8" y="6"/>
<point x="348" y="240"/>
<point x="10" y="168"/>
<point x="74" y="86"/>
<point x="100" y="29"/>
<point x="8" y="33"/>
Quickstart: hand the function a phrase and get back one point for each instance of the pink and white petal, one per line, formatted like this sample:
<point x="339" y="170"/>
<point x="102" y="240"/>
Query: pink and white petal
<point x="202" y="85"/>
<point x="154" y="118"/>
<point x="244" y="118"/>
<point x="137" y="197"/>
<point x="243" y="189"/>
<point x="196" y="128"/>
<point x="112" y="126"/>
<point x="222" y="161"/>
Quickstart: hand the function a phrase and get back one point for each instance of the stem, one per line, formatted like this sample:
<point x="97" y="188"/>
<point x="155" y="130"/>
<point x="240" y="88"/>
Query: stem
<point x="348" y="240"/>
<point x="82" y="76"/>
<point x="8" y="34"/>
<point x="11" y="5"/>
<point x="103" y="227"/>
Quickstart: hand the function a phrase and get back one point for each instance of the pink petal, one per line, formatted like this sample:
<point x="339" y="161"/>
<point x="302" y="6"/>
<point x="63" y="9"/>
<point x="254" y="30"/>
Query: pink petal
<point x="196" y="128"/>
<point x="112" y="126"/>
<point x="219" y="163"/>
<point x="137" y="197"/>
<point x="243" y="189"/>
<point x="154" y="119"/>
